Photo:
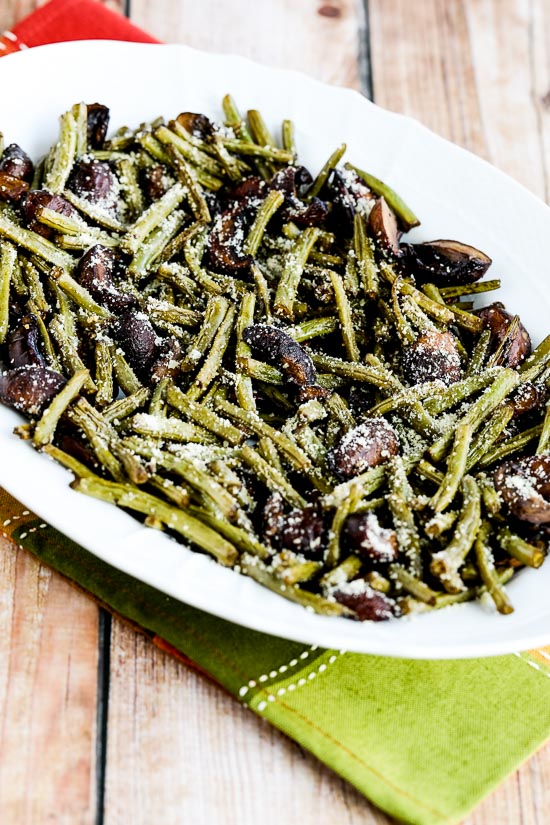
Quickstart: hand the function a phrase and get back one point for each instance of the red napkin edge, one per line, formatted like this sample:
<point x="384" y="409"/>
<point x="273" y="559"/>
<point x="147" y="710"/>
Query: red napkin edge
<point x="62" y="20"/>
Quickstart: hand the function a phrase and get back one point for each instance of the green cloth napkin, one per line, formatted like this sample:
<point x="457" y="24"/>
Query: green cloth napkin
<point x="425" y="741"/>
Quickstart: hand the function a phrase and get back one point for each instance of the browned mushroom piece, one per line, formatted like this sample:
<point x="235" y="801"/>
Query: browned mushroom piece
<point x="447" y="263"/>
<point x="368" y="445"/>
<point x="272" y="517"/>
<point x="290" y="181"/>
<point x="95" y="181"/>
<point x="249" y="190"/>
<point x="25" y="344"/>
<point x="135" y="334"/>
<point x="314" y="214"/>
<point x="527" y="398"/>
<point x="311" y="391"/>
<point x="30" y="389"/>
<point x="348" y="194"/>
<point x="196" y="124"/>
<point x="12" y="189"/>
<point x="168" y="362"/>
<point x="302" y="531"/>
<point x="15" y="162"/>
<point x="73" y="441"/>
<point x="95" y="271"/>
<point x="384" y="229"/>
<point x="319" y="286"/>
<point x="154" y="182"/>
<point x="498" y="321"/>
<point x="225" y="252"/>
<point x="524" y="486"/>
<point x="278" y="348"/>
<point x="433" y="356"/>
<point x="226" y="245"/>
<point x="367" y="604"/>
<point x="37" y="199"/>
<point x="363" y="533"/>
<point x="98" y="123"/>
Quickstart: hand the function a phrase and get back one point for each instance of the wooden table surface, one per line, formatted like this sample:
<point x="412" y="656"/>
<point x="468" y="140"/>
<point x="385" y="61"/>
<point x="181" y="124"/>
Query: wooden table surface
<point x="97" y="725"/>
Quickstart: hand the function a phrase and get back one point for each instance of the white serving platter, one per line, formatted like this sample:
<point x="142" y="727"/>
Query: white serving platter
<point x="456" y="194"/>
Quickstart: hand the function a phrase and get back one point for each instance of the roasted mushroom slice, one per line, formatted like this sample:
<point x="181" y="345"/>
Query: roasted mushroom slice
<point x="196" y="124"/>
<point x="249" y="190"/>
<point x="30" y="389"/>
<point x="95" y="181"/>
<point x="348" y="194"/>
<point x="95" y="271"/>
<point x="496" y="319"/>
<point x="364" y="535"/>
<point x="98" y="123"/>
<point x="12" y="189"/>
<point x="524" y="486"/>
<point x="225" y="251"/>
<point x="301" y="530"/>
<point x="135" y="334"/>
<point x="24" y="344"/>
<point x="292" y="180"/>
<point x="314" y="214"/>
<point x="226" y="245"/>
<point x="272" y="517"/>
<point x="168" y="363"/>
<point x="16" y="163"/>
<point x="433" y="356"/>
<point x="289" y="181"/>
<point x="527" y="398"/>
<point x="447" y="263"/>
<point x="372" y="443"/>
<point x="154" y="182"/>
<point x="367" y="604"/>
<point x="70" y="439"/>
<point x="278" y="348"/>
<point x="38" y="199"/>
<point x="384" y="229"/>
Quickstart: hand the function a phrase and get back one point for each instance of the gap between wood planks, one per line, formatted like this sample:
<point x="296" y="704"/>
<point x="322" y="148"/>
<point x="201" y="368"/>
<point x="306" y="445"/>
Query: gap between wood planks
<point x="103" y="681"/>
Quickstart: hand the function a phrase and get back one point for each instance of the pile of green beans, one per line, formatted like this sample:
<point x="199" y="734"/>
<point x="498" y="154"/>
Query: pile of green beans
<point x="203" y="448"/>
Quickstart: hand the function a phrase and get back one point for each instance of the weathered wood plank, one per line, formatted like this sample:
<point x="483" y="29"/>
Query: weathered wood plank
<point x="477" y="72"/>
<point x="438" y="83"/>
<point x="177" y="746"/>
<point x="48" y="678"/>
<point x="422" y="66"/>
<point x="437" y="63"/>
<point x="11" y="11"/>
<point x="182" y="750"/>
<point x="317" y="37"/>
<point x="509" y="50"/>
<point x="48" y="672"/>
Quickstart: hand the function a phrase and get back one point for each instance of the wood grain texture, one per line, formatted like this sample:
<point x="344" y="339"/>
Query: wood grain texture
<point x="510" y="49"/>
<point x="320" y="38"/>
<point x="179" y="749"/>
<point x="478" y="73"/>
<point x="11" y="11"/>
<point x="177" y="746"/>
<point x="422" y="66"/>
<point x="430" y="65"/>
<point x="48" y="678"/>
<point x="48" y="673"/>
<point x="182" y="750"/>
